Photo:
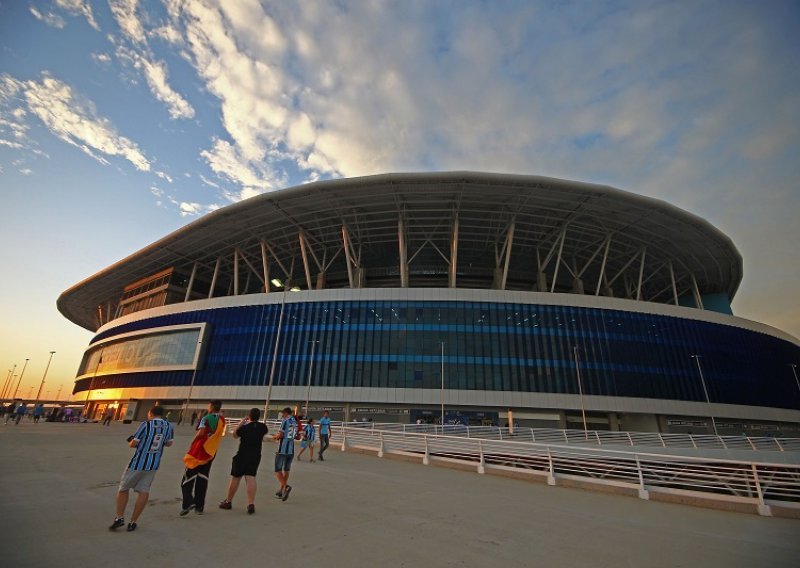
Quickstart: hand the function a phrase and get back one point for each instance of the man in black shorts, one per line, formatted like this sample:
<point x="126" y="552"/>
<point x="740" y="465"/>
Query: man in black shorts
<point x="250" y="433"/>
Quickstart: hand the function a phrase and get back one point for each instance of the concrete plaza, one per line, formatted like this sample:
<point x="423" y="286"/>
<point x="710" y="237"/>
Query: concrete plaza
<point x="58" y="481"/>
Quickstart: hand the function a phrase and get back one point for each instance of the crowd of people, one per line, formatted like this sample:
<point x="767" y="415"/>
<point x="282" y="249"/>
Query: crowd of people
<point x="17" y="411"/>
<point x="156" y="433"/>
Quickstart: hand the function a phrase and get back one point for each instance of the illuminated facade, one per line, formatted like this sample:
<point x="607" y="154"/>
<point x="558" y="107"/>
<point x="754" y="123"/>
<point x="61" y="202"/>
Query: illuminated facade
<point x="524" y="290"/>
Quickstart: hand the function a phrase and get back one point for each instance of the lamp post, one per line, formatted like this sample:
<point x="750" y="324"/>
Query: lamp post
<point x="794" y="371"/>
<point x="275" y="354"/>
<point x="58" y="394"/>
<point x="7" y="383"/>
<point x="22" y="374"/>
<point x="38" y="394"/>
<point x="580" y="391"/>
<point x="705" y="391"/>
<point x="310" y="369"/>
<point x="442" y="392"/>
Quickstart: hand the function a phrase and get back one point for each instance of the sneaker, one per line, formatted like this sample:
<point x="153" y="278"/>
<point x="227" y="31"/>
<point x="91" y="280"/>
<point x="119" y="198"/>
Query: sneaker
<point x="279" y="494"/>
<point x="131" y="527"/>
<point x="286" y="493"/>
<point x="118" y="522"/>
<point x="321" y="459"/>
<point x="251" y="509"/>
<point x="198" y="510"/>
<point x="227" y="505"/>
<point x="186" y="510"/>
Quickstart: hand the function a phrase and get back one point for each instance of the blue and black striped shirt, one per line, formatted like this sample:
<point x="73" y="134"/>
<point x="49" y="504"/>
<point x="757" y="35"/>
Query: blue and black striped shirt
<point x="289" y="429"/>
<point x="152" y="436"/>
<point x="309" y="432"/>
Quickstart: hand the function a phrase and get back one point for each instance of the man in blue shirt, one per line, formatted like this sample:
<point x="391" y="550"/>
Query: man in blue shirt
<point x="285" y="453"/>
<point x="324" y="433"/>
<point x="21" y="410"/>
<point x="149" y="441"/>
<point x="309" y="439"/>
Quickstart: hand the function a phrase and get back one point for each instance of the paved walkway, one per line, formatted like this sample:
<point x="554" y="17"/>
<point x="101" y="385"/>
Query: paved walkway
<point x="58" y="481"/>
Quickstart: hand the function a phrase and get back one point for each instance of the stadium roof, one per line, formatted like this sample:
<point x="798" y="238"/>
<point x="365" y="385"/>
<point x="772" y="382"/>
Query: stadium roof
<point x="464" y="229"/>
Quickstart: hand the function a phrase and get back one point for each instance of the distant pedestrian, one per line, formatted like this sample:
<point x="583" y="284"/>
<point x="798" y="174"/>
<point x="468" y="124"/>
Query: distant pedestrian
<point x="149" y="440"/>
<point x="309" y="440"/>
<point x="38" y="410"/>
<point x="10" y="411"/>
<point x="324" y="433"/>
<point x="250" y="434"/>
<point x="285" y="454"/>
<point x="199" y="458"/>
<point x="21" y="410"/>
<point x="108" y="416"/>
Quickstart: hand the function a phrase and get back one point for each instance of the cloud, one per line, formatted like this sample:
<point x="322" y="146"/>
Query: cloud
<point x="164" y="176"/>
<point x="80" y="8"/>
<point x="71" y="118"/>
<point x="48" y="18"/>
<point x="125" y="13"/>
<point x="10" y="144"/>
<point x="101" y="57"/>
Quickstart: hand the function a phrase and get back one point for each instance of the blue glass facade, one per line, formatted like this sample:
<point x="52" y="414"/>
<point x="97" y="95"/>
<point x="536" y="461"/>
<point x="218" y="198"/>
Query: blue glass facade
<point x="488" y="346"/>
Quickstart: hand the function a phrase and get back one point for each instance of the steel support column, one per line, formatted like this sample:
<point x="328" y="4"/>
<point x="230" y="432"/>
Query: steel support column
<point x="558" y="259"/>
<point x="641" y="274"/>
<point x="453" y="254"/>
<point x="191" y="283"/>
<point x="347" y="255"/>
<point x="264" y="266"/>
<point x="672" y="279"/>
<point x="304" y="254"/>
<point x="235" y="272"/>
<point x="214" y="278"/>
<point x="603" y="267"/>
<point x="401" y="238"/>
<point x="698" y="300"/>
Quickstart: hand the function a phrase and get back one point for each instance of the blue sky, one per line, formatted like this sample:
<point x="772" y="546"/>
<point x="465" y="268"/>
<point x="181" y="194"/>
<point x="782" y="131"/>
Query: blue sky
<point x="123" y="120"/>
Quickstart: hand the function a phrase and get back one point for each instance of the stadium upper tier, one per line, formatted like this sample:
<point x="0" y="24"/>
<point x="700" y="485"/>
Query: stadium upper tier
<point x="454" y="229"/>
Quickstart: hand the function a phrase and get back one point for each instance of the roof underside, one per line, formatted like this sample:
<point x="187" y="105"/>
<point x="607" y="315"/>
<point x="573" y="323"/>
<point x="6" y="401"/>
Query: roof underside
<point x="531" y="218"/>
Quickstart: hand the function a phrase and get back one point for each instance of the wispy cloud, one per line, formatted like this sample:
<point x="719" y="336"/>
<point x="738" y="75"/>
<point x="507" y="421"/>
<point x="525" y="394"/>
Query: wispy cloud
<point x="48" y="18"/>
<point x="71" y="118"/>
<point x="79" y="8"/>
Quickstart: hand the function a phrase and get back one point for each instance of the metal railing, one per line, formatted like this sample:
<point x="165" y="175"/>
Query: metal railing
<point x="592" y="437"/>
<point x="755" y="483"/>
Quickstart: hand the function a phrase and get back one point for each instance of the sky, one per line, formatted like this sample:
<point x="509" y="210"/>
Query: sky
<point x="123" y="120"/>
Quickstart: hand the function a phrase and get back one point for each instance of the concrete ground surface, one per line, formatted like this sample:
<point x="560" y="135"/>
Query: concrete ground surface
<point x="58" y="483"/>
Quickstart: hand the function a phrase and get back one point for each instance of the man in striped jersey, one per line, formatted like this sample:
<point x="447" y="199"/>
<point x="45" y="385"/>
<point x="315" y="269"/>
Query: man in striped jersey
<point x="285" y="453"/>
<point x="149" y="441"/>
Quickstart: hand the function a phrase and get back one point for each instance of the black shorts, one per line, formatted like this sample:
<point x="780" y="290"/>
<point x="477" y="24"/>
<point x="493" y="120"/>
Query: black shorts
<point x="283" y="462"/>
<point x="245" y="465"/>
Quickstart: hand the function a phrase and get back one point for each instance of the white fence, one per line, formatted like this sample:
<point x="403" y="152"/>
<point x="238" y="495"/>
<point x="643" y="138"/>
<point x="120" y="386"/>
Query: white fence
<point x="760" y="484"/>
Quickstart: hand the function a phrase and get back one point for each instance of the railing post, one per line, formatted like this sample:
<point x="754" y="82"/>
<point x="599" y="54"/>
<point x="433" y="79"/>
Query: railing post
<point x="426" y="459"/>
<point x="551" y="476"/>
<point x="629" y="438"/>
<point x="596" y="435"/>
<point x="722" y="440"/>
<point x="380" y="450"/>
<point x="663" y="443"/>
<point x="566" y="438"/>
<point x="372" y="428"/>
<point x="404" y="429"/>
<point x="750" y="441"/>
<point x="500" y="431"/>
<point x="533" y="436"/>
<point x="777" y="443"/>
<point x="643" y="492"/>
<point x="763" y="509"/>
<point x="691" y="439"/>
<point x="481" y="462"/>
<point x="344" y="438"/>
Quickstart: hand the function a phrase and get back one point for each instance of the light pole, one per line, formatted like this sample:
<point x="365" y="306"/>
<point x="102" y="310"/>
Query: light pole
<point x="705" y="390"/>
<point x="442" y="392"/>
<point x="794" y="370"/>
<point x="38" y="394"/>
<point x="20" y="377"/>
<point x="275" y="354"/>
<point x="580" y="391"/>
<point x="191" y="384"/>
<point x="58" y="394"/>
<point x="22" y="374"/>
<point x="5" y="384"/>
<point x="310" y="368"/>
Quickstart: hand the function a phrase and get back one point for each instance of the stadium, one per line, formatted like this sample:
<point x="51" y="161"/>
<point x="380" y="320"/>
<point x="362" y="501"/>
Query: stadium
<point x="403" y="297"/>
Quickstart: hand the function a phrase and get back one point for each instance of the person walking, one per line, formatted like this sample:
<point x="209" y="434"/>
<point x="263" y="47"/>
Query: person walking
<point x="10" y="411"/>
<point x="108" y="415"/>
<point x="250" y="434"/>
<point x="38" y="410"/>
<point x="324" y="433"/>
<point x="285" y="454"/>
<point x="150" y="439"/>
<point x="309" y="439"/>
<point x="199" y="458"/>
<point x="21" y="410"/>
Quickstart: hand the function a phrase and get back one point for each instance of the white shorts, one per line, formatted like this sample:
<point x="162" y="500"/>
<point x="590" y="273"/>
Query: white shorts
<point x="139" y="480"/>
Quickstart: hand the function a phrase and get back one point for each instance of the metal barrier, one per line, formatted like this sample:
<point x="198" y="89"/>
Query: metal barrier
<point x="760" y="484"/>
<point x="592" y="437"/>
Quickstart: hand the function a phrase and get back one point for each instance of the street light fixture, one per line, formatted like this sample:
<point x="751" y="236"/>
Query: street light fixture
<point x="7" y="383"/>
<point x="310" y="368"/>
<point x="580" y="391"/>
<point x="22" y="374"/>
<point x="705" y="391"/>
<point x="38" y="394"/>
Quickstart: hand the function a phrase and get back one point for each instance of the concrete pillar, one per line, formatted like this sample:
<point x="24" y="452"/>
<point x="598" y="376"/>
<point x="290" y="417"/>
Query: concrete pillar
<point x="562" y="419"/>
<point x="577" y="286"/>
<point x="613" y="422"/>
<point x="321" y="280"/>
<point x="541" y="282"/>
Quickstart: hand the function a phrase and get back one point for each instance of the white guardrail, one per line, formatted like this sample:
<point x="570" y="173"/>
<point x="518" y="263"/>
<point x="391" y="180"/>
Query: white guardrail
<point x="763" y="485"/>
<point x="589" y="438"/>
